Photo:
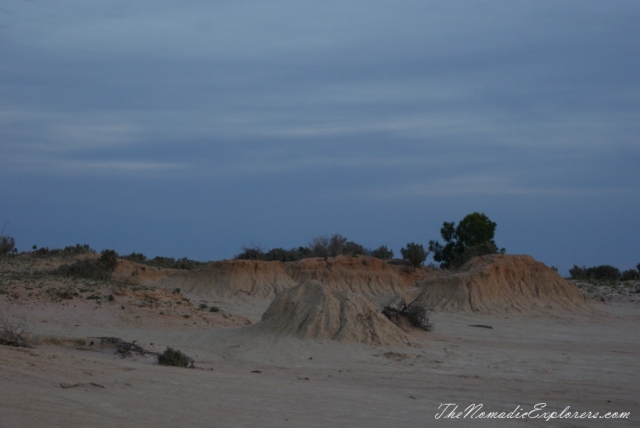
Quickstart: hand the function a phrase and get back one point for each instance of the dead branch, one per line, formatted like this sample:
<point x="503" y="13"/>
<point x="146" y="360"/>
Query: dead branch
<point x="416" y="314"/>
<point x="126" y="348"/>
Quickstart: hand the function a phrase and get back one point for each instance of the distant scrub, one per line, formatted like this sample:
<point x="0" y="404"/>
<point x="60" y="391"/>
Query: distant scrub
<point x="630" y="275"/>
<point x="603" y="272"/>
<point x="382" y="252"/>
<point x="7" y="244"/>
<point x="67" y="251"/>
<point x="100" y="269"/>
<point x="320" y="246"/>
<point x="164" y="262"/>
<point x="85" y="268"/>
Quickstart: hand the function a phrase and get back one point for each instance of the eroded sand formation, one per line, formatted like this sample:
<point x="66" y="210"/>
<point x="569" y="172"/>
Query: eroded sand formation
<point x="317" y="311"/>
<point x="501" y="284"/>
<point x="322" y="354"/>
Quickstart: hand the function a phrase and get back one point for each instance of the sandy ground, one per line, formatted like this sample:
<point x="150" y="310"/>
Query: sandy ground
<point x="587" y="361"/>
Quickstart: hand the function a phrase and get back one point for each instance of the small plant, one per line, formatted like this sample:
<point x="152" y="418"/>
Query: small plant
<point x="203" y="306"/>
<point x="214" y="309"/>
<point x="172" y="357"/>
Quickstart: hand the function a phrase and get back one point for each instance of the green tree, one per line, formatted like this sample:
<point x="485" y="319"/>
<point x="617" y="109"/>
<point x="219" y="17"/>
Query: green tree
<point x="472" y="237"/>
<point x="415" y="254"/>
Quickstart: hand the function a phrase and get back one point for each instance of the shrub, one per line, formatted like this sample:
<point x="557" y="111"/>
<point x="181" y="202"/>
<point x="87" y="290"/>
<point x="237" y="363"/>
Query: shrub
<point x="15" y="333"/>
<point x="604" y="272"/>
<point x="109" y="259"/>
<point x="630" y="275"/>
<point x="171" y="263"/>
<point x="282" y="255"/>
<point x="78" y="249"/>
<point x="85" y="268"/>
<point x="414" y="254"/>
<point x="353" y="249"/>
<point x="382" y="252"/>
<point x="172" y="357"/>
<point x="332" y="246"/>
<point x="319" y="246"/>
<point x="135" y="257"/>
<point x="250" y="253"/>
<point x="7" y="243"/>
<point x="595" y="272"/>
<point x="578" y="272"/>
<point x="416" y="314"/>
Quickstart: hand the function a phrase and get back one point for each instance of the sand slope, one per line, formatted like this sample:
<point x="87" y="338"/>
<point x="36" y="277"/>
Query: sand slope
<point x="231" y="278"/>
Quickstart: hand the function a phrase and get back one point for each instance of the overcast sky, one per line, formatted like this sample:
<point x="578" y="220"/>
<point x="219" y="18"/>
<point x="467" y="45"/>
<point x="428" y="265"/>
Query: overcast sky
<point x="192" y="128"/>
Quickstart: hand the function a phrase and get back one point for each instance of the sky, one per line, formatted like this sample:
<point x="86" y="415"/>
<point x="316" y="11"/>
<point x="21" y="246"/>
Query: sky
<point x="193" y="128"/>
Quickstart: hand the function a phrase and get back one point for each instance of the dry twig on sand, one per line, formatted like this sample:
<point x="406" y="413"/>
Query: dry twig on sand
<point x="126" y="348"/>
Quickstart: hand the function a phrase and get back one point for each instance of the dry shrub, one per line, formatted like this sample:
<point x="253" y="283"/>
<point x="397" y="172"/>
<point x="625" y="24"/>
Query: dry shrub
<point x="416" y="314"/>
<point x="16" y="332"/>
<point x="173" y="357"/>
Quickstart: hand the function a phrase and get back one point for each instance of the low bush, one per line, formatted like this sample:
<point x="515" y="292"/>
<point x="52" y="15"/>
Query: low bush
<point x="77" y="249"/>
<point x="630" y="275"/>
<point x="135" y="257"/>
<point x="7" y="244"/>
<point x="172" y="357"/>
<point x="109" y="259"/>
<point x="596" y="272"/>
<point x="164" y="262"/>
<point x="382" y="252"/>
<point x="15" y="333"/>
<point x="85" y="268"/>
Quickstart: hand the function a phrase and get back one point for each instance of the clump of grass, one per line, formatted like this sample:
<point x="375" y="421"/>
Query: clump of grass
<point x="173" y="357"/>
<point x="214" y="309"/>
